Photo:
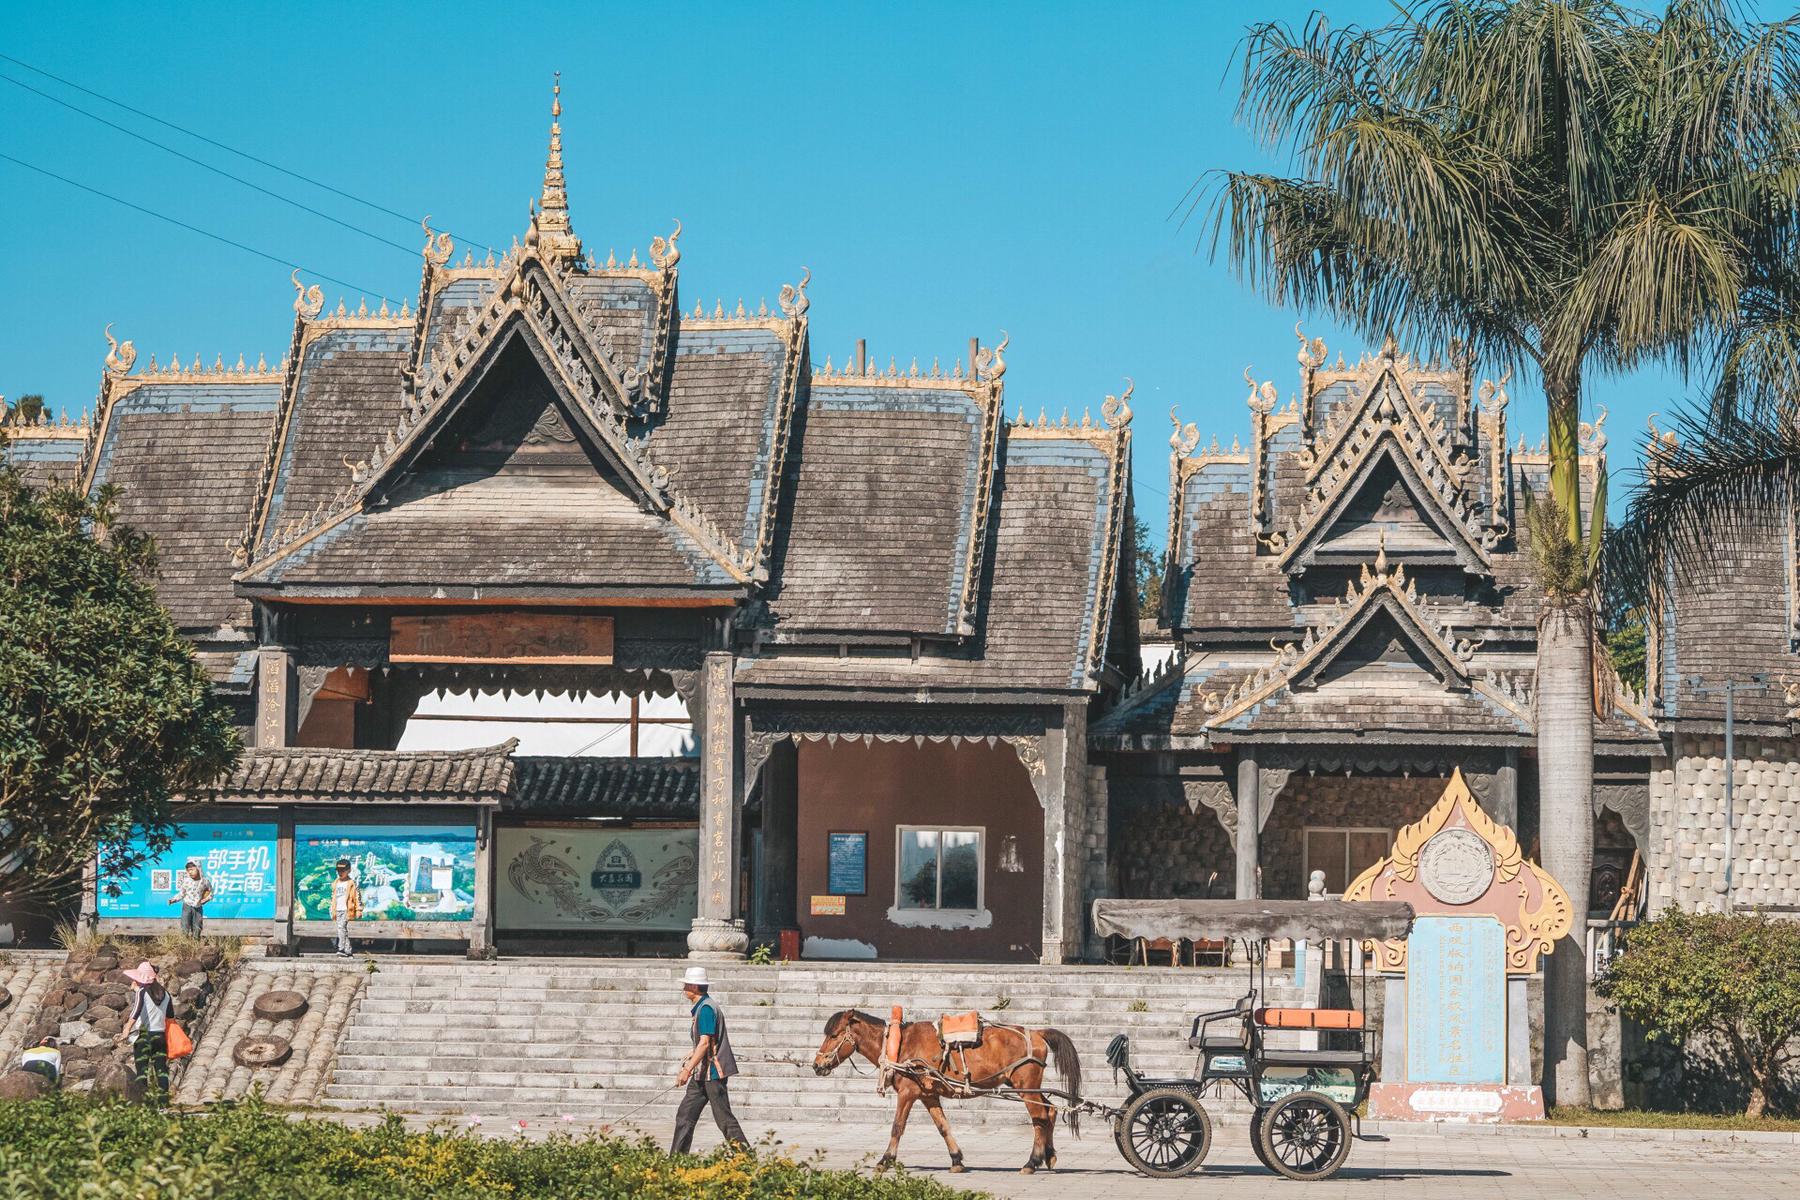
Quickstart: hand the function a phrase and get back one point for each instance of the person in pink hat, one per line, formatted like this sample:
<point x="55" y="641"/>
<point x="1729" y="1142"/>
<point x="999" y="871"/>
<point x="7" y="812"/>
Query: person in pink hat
<point x="147" y="1029"/>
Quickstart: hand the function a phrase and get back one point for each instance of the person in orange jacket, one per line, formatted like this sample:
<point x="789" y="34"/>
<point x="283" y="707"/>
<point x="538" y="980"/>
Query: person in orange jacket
<point x="346" y="905"/>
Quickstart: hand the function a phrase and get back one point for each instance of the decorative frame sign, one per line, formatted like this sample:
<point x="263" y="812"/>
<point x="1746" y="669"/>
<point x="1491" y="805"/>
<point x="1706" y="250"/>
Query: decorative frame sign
<point x="1458" y="861"/>
<point x="827" y="906"/>
<point x="847" y="863"/>
<point x="511" y="638"/>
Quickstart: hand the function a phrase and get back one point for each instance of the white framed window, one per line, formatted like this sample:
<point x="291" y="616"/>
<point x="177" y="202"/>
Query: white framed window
<point x="1343" y="853"/>
<point x="940" y="868"/>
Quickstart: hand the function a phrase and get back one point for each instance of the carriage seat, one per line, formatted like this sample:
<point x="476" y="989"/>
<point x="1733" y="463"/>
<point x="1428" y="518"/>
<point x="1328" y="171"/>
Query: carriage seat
<point x="1227" y="1030"/>
<point x="1309" y="1018"/>
<point x="1312" y="1058"/>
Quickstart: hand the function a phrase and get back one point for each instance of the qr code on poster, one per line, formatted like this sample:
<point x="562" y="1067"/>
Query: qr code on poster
<point x="162" y="881"/>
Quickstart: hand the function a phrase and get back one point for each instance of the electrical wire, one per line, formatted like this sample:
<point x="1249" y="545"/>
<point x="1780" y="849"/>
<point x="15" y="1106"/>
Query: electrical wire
<point x="244" y="154"/>
<point x="150" y="212"/>
<point x="204" y="165"/>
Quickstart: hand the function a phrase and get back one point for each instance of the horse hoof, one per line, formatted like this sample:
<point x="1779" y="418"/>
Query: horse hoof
<point x="1028" y="1170"/>
<point x="957" y="1169"/>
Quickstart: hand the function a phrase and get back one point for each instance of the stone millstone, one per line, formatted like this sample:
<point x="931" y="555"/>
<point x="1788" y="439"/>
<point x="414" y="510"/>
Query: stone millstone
<point x="263" y="1050"/>
<point x="280" y="1006"/>
<point x="23" y="1085"/>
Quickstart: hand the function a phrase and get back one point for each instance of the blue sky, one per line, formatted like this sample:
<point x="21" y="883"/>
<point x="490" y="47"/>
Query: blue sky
<point x="945" y="171"/>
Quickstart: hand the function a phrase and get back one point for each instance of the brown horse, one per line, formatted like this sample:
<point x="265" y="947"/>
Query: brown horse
<point x="1008" y="1056"/>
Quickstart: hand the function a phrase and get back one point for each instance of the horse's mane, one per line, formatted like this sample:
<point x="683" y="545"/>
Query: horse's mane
<point x="838" y="1020"/>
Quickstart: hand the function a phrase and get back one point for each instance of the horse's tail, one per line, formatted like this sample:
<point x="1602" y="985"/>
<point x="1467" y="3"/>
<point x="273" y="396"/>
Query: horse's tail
<point x="1069" y="1064"/>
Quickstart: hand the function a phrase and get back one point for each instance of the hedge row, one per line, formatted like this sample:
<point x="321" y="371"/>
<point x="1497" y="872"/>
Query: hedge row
<point x="63" y="1148"/>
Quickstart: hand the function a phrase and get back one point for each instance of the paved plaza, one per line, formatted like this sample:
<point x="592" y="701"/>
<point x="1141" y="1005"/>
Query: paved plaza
<point x="1518" y="1166"/>
<point x="1515" y="1163"/>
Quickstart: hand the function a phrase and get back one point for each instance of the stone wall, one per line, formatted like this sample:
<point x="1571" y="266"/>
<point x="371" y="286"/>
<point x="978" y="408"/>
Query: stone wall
<point x="1162" y="848"/>
<point x="1355" y="801"/>
<point x="84" y="1006"/>
<point x="1091" y="855"/>
<point x="1687" y="823"/>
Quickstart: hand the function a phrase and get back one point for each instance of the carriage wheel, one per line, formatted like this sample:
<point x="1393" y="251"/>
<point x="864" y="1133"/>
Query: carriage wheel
<point x="1304" y="1136"/>
<point x="1256" y="1120"/>
<point x="1164" y="1133"/>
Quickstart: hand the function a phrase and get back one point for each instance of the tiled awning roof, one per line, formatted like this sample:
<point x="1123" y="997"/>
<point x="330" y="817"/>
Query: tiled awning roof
<point x="607" y="787"/>
<point x="318" y="776"/>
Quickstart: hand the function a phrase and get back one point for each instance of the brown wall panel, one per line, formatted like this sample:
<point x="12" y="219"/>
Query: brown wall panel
<point x="878" y="787"/>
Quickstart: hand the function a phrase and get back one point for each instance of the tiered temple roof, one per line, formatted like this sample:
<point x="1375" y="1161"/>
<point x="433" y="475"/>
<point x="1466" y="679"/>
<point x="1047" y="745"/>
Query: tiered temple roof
<point x="543" y="426"/>
<point x="1358" y="570"/>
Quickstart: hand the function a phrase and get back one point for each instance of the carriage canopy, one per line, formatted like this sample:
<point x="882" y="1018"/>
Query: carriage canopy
<point x="1251" y="920"/>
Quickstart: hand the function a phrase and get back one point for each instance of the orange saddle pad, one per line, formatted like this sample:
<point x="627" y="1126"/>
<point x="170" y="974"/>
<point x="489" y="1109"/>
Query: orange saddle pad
<point x="960" y="1029"/>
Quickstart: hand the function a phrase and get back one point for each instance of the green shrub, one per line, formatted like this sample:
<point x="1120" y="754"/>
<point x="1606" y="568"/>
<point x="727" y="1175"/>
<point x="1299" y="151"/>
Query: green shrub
<point x="1735" y="977"/>
<point x="61" y="1149"/>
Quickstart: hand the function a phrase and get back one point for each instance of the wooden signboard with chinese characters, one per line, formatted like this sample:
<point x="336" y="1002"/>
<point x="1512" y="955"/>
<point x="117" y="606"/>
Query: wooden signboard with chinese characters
<point x="503" y="639"/>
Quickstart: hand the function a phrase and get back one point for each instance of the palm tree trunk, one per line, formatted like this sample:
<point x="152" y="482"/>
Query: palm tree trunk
<point x="1565" y="756"/>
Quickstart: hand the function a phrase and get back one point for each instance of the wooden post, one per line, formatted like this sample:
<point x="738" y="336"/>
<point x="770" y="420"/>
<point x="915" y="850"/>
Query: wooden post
<point x="1249" y="824"/>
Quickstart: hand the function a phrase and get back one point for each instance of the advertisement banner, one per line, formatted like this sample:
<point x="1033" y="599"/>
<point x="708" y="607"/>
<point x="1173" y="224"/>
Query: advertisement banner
<point x="405" y="872"/>
<point x="626" y="879"/>
<point x="239" y="860"/>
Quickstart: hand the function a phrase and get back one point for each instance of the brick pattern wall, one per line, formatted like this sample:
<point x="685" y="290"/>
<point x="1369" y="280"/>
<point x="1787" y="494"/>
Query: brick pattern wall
<point x="1358" y="801"/>
<point x="1687" y="824"/>
<point x="1160" y="849"/>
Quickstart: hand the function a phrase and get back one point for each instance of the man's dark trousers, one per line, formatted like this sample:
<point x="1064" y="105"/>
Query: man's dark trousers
<point x="700" y="1093"/>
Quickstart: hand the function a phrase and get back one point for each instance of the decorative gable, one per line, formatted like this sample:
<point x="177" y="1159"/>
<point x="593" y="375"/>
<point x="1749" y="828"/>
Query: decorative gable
<point x="1385" y="462"/>
<point x="1383" y="604"/>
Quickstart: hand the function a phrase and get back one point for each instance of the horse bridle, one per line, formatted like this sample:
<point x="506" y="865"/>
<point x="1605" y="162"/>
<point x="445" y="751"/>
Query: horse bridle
<point x="845" y="1040"/>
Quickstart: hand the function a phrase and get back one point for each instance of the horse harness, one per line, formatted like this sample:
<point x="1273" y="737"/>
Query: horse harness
<point x="954" y="1052"/>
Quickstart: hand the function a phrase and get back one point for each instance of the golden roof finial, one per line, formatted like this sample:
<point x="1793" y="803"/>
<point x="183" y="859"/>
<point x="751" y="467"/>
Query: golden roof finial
<point x="555" y="236"/>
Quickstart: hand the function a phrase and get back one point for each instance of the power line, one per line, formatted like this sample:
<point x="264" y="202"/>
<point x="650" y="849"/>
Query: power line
<point x="244" y="154"/>
<point x="150" y="212"/>
<point x="238" y="179"/>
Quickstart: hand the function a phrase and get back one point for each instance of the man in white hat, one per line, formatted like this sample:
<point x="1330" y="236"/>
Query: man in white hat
<point x="707" y="1069"/>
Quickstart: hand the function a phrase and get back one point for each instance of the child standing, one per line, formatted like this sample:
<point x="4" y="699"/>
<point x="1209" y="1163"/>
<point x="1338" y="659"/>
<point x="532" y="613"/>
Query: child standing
<point x="346" y="905"/>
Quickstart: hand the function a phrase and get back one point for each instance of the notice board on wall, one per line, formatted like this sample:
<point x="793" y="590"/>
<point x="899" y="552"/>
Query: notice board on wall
<point x="613" y="879"/>
<point x="238" y="859"/>
<point x="404" y="872"/>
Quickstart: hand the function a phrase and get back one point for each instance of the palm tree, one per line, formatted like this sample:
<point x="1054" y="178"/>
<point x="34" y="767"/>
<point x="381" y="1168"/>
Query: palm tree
<point x="1560" y="185"/>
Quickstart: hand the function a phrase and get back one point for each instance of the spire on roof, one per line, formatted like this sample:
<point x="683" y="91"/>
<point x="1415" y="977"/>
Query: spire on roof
<point x="551" y="224"/>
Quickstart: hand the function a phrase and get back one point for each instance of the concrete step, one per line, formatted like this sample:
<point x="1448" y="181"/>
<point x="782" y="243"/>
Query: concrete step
<point x="595" y="1039"/>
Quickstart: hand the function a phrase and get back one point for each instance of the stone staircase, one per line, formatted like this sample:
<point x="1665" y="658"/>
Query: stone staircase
<point x="594" y="1039"/>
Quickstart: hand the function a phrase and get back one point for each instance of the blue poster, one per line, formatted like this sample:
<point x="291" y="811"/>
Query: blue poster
<point x="1456" y="1001"/>
<point x="239" y="860"/>
<point x="848" y="864"/>
<point x="404" y="872"/>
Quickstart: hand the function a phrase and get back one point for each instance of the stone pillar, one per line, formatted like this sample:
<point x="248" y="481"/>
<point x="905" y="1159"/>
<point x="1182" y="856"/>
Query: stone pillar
<point x="281" y="936"/>
<point x="718" y="931"/>
<point x="1249" y="824"/>
<point x="481" y="930"/>
<point x="274" y="696"/>
<point x="1054" y="797"/>
<point x="777" y="906"/>
<point x="1506" y="790"/>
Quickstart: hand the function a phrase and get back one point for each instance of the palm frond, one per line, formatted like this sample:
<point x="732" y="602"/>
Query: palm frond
<point x="1713" y="486"/>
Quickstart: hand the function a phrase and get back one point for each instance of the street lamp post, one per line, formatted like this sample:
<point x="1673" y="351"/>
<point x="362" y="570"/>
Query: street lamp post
<point x="1729" y="689"/>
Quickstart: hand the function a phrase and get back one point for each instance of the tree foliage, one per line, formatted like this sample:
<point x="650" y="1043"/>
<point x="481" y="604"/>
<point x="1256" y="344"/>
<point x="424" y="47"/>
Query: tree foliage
<point x="1147" y="563"/>
<point x="1715" y="484"/>
<point x="104" y="713"/>
<point x="1568" y="184"/>
<point x="1734" y="977"/>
